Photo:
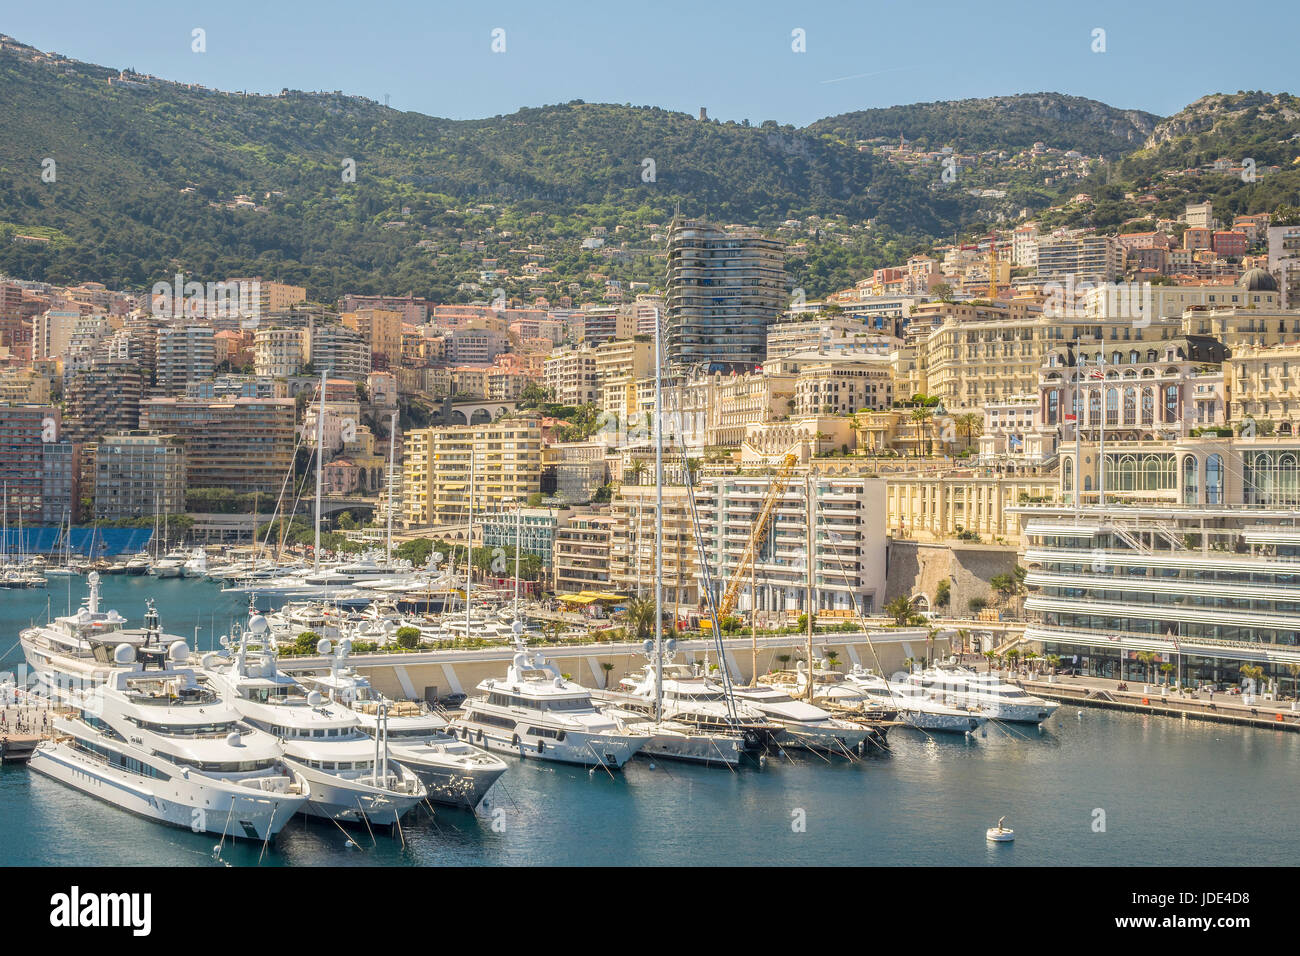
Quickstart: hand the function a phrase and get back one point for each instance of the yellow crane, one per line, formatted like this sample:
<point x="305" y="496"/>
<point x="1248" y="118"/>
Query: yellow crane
<point x="757" y="535"/>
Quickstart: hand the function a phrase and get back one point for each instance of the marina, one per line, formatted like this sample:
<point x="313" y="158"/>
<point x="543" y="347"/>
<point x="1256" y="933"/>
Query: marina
<point x="923" y="798"/>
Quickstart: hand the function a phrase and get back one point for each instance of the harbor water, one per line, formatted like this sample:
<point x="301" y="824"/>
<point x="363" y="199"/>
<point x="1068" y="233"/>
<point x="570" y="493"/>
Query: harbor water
<point x="1091" y="787"/>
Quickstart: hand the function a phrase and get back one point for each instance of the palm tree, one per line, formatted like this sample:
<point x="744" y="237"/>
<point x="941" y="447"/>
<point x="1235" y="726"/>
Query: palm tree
<point x="989" y="656"/>
<point x="919" y="417"/>
<point x="1294" y="671"/>
<point x="1148" y="658"/>
<point x="607" y="667"/>
<point x="641" y="618"/>
<point x="972" y="423"/>
<point x="636" y="471"/>
<point x="900" y="609"/>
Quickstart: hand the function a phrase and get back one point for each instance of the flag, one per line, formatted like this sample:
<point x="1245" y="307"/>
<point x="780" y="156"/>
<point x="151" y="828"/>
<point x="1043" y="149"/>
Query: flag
<point x="1071" y="417"/>
<point x="1015" y="442"/>
<point x="1096" y="373"/>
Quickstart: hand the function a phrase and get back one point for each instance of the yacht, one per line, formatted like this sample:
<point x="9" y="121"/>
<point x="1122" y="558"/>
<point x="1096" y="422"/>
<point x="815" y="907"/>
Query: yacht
<point x="961" y="686"/>
<point x="353" y="779"/>
<point x="137" y="565"/>
<point x="76" y="650"/>
<point x="170" y="565"/>
<point x="454" y="772"/>
<point x="915" y="707"/>
<point x="803" y="724"/>
<point x="832" y="690"/>
<point x="535" y="713"/>
<point x="158" y="743"/>
<point x="689" y="698"/>
<point x="196" y="566"/>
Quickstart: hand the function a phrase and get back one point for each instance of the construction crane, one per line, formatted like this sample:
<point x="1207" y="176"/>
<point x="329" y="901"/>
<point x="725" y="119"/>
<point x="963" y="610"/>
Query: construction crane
<point x="757" y="535"/>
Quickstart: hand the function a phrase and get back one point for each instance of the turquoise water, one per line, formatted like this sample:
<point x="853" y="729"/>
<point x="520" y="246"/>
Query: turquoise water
<point x="1173" y="793"/>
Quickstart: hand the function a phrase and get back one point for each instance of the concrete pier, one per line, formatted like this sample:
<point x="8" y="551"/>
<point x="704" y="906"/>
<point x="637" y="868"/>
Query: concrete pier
<point x="1221" y="708"/>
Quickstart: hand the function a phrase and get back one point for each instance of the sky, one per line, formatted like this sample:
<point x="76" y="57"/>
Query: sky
<point x="737" y="58"/>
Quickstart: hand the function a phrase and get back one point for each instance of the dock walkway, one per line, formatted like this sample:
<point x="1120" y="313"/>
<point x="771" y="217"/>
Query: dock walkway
<point x="1219" y="707"/>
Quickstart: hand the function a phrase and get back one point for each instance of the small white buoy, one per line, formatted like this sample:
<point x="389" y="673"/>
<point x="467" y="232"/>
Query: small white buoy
<point x="216" y="851"/>
<point x="349" y="845"/>
<point x="1081" y="715"/>
<point x="652" y="764"/>
<point x="999" y="833"/>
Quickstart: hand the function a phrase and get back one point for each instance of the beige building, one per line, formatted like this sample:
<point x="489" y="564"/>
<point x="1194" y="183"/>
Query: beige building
<point x="279" y="353"/>
<point x="436" y="469"/>
<point x="1264" y="385"/>
<point x="834" y="384"/>
<point x="580" y="555"/>
<point x="934" y="506"/>
<point x="382" y="328"/>
<point x="572" y="377"/>
<point x="632" y="545"/>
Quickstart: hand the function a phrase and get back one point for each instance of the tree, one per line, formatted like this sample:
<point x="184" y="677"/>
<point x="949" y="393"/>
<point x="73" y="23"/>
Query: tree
<point x="919" y="417"/>
<point x="943" y="593"/>
<point x="607" y="667"/>
<point x="408" y="637"/>
<point x="640" y="616"/>
<point x="900" y="609"/>
<point x="969" y="423"/>
<point x="305" y="643"/>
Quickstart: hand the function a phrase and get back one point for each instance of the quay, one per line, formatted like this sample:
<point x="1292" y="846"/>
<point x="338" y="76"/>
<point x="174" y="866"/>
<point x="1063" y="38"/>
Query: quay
<point x="22" y="727"/>
<point x="431" y="674"/>
<point x="1157" y="699"/>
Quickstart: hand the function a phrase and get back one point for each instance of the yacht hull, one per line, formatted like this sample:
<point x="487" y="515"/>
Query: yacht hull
<point x="586" y="750"/>
<point x="451" y="784"/>
<point x="351" y="801"/>
<point x="200" y="806"/>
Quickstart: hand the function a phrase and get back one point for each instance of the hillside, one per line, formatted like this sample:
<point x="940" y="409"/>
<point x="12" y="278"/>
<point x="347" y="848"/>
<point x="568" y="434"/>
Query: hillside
<point x="1001" y="122"/>
<point x="147" y="172"/>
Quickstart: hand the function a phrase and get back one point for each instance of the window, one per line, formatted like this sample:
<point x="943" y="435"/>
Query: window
<point x="1214" y="480"/>
<point x="1191" y="491"/>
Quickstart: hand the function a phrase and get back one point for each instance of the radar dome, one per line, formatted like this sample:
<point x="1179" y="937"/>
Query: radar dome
<point x="314" y="699"/>
<point x="257" y="624"/>
<point x="179" y="652"/>
<point x="324" y="647"/>
<point x="124" y="654"/>
<point x="233" y="740"/>
<point x="345" y="646"/>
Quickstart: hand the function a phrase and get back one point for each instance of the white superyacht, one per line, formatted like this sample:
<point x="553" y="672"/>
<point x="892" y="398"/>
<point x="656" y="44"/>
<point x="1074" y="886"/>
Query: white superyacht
<point x="536" y="713"/>
<point x="352" y="777"/>
<point x="158" y="743"/>
<point x="454" y="772"/>
<point x="960" y="686"/>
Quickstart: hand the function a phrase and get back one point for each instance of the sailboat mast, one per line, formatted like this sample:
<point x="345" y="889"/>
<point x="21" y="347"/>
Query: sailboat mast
<point x="469" y="540"/>
<point x="519" y="527"/>
<point x="320" y="465"/>
<point x="659" y="521"/>
<point x="810" y="593"/>
<point x="392" y="462"/>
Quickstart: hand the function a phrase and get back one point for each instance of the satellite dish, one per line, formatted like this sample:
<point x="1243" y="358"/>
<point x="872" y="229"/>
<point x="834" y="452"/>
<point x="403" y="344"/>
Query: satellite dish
<point x="517" y="627"/>
<point x="208" y="660"/>
<point x="559" y="682"/>
<point x="324" y="647"/>
<point x="92" y="578"/>
<point x="648" y="646"/>
<point x="124" y="654"/>
<point x="179" y="652"/>
<point x="314" y="699"/>
<point x="671" y="647"/>
<point x="345" y="647"/>
<point x="257" y="624"/>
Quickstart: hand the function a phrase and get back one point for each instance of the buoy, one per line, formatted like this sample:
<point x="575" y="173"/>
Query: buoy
<point x="349" y="845"/>
<point x="652" y="765"/>
<point x="1146" y="700"/>
<point x="1279" y="718"/>
<point x="1081" y="715"/>
<point x="216" y="851"/>
<point x="999" y="833"/>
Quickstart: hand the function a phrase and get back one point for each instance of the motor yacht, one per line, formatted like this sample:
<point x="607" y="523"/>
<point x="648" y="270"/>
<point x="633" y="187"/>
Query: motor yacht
<point x="916" y="708"/>
<point x="353" y="778"/>
<point x="454" y="772"/>
<point x="538" y="714"/>
<point x="960" y="686"/>
<point x="155" y="741"/>
<point x="803" y="724"/>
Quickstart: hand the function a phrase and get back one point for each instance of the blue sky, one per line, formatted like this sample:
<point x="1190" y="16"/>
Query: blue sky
<point x="733" y="57"/>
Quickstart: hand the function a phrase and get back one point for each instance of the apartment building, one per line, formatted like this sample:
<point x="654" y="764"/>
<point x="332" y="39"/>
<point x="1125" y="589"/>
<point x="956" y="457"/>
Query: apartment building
<point x="849" y="544"/>
<point x="139" y="474"/>
<point x="572" y="377"/>
<point x="184" y="354"/>
<point x="25" y="431"/>
<point x="632" y="545"/>
<point x="436" y="469"/>
<point x="1097" y="258"/>
<point x="582" y="553"/>
<point x="1284" y="262"/>
<point x="829" y="384"/>
<point x="841" y="335"/>
<point x="1264" y="384"/>
<point x="382" y="330"/>
<point x="279" y="352"/>
<point x="338" y="351"/>
<point x="244" y="444"/>
<point x="723" y="290"/>
<point x="104" y="399"/>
